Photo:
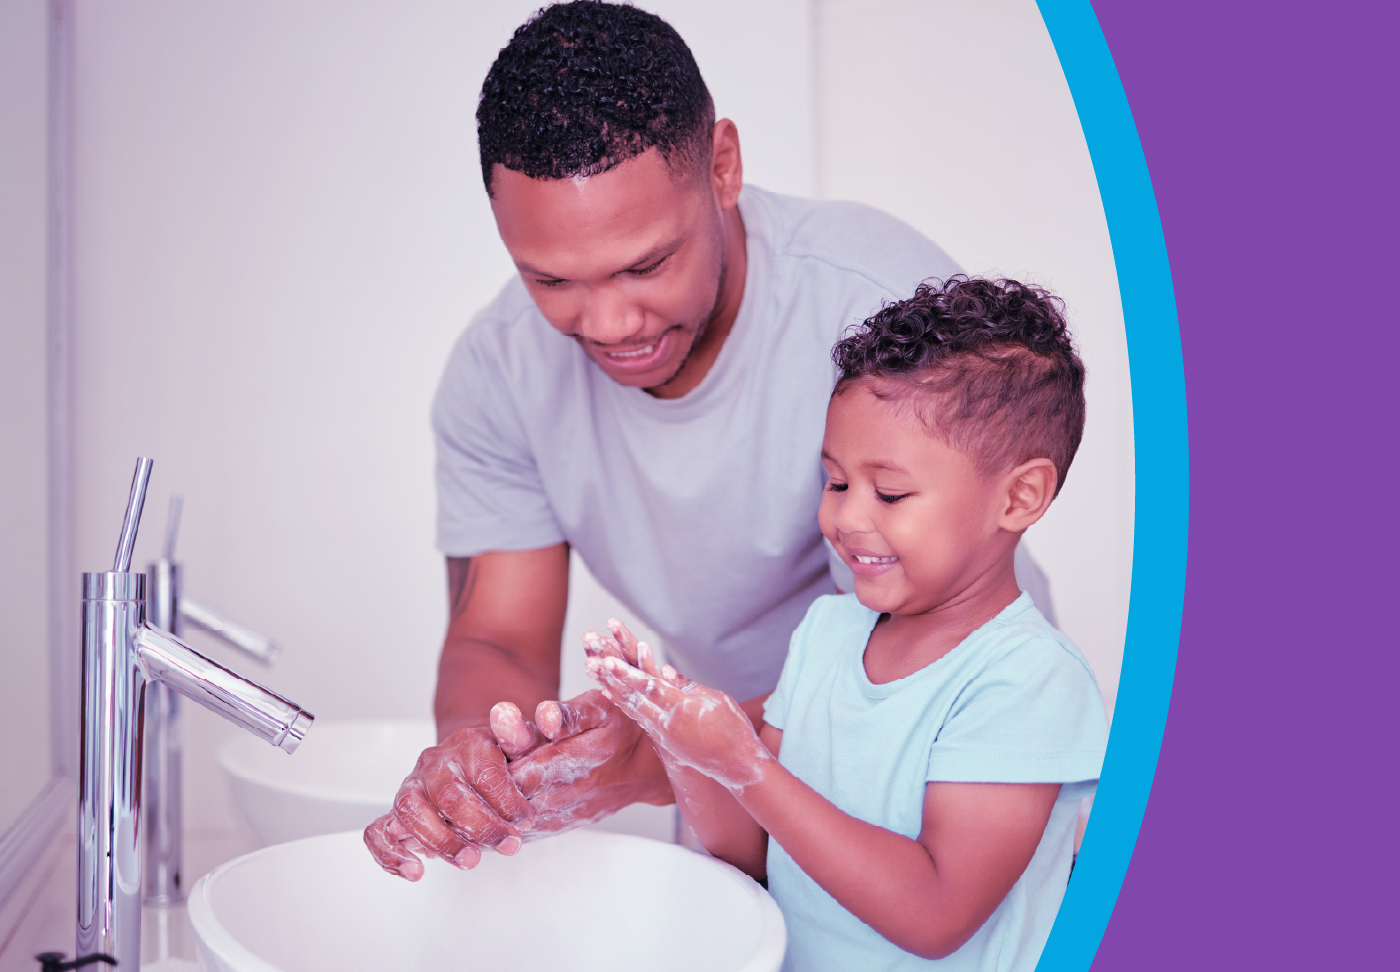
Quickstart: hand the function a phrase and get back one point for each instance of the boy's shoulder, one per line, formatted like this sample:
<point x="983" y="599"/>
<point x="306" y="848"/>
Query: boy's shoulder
<point x="1021" y="634"/>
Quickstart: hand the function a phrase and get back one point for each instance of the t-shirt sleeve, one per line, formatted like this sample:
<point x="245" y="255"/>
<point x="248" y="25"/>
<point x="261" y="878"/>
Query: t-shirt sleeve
<point x="489" y="493"/>
<point x="1032" y="716"/>
<point x="776" y="706"/>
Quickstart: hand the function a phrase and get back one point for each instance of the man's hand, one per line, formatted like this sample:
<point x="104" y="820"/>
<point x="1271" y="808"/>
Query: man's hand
<point x="599" y="762"/>
<point x="458" y="799"/>
<point x="496" y="788"/>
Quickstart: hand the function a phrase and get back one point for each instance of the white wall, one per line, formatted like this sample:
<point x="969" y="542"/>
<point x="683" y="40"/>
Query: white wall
<point x="25" y="761"/>
<point x="281" y="230"/>
<point x="954" y="115"/>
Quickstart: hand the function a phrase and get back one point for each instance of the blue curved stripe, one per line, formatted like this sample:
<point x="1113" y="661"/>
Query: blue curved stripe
<point x="1160" y="448"/>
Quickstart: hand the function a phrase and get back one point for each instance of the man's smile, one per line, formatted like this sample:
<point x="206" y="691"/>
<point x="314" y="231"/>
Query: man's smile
<point x="637" y="358"/>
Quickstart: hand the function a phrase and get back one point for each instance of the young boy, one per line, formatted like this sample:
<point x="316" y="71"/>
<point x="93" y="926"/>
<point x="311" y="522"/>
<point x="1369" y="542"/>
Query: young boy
<point x="913" y="789"/>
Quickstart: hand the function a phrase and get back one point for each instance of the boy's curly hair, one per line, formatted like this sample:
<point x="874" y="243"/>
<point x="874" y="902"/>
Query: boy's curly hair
<point x="584" y="86"/>
<point x="987" y="365"/>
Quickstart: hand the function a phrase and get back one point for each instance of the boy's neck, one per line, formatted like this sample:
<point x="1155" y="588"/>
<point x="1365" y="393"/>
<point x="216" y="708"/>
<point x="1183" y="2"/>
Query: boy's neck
<point x="902" y="644"/>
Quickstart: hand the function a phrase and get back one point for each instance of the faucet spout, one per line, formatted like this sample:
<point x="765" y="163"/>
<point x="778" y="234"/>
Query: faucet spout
<point x="167" y="659"/>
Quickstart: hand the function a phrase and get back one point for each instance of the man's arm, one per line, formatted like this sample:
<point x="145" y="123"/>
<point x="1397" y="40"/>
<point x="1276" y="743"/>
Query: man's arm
<point x="504" y="628"/>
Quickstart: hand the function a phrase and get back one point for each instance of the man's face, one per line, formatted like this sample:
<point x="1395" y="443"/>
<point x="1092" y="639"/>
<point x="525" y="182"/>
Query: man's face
<point x="627" y="262"/>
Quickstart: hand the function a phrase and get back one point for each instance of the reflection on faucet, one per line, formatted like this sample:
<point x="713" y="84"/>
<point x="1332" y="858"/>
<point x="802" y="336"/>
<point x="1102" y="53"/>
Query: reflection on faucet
<point x="166" y="608"/>
<point x="123" y="657"/>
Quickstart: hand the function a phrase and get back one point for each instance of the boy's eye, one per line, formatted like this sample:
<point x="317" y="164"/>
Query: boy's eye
<point x="547" y="283"/>
<point x="643" y="271"/>
<point x="886" y="498"/>
<point x="836" y="487"/>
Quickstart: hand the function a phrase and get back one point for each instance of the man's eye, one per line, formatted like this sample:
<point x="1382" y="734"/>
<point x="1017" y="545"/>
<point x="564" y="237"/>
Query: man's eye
<point x="836" y="487"/>
<point x="886" y="498"/>
<point x="643" y="271"/>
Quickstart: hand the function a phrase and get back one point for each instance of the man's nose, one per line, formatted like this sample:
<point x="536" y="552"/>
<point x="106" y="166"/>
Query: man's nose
<point x="609" y="317"/>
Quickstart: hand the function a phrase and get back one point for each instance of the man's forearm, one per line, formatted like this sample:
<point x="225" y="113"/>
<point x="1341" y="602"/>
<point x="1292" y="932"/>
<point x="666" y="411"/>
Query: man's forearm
<point x="475" y="674"/>
<point x="506" y="617"/>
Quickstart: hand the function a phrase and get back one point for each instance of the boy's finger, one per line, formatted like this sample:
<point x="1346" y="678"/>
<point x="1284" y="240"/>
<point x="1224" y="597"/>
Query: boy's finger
<point x="596" y="645"/>
<point x="625" y="638"/>
<point x="646" y="659"/>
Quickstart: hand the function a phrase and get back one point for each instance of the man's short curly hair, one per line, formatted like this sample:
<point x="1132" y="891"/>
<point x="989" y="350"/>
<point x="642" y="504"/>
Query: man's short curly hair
<point x="986" y="365"/>
<point x="584" y="86"/>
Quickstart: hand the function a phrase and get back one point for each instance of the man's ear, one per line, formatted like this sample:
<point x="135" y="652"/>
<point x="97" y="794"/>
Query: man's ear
<point x="726" y="165"/>
<point x="1029" y="488"/>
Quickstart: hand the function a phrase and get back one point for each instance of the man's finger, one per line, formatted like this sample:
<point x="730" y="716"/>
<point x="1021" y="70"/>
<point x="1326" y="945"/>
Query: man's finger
<point x="390" y="850"/>
<point x="560" y="720"/>
<point x="420" y="818"/>
<point x="515" y="734"/>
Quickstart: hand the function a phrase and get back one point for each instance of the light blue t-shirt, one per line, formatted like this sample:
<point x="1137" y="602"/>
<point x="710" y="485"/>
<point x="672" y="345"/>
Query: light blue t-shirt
<point x="1013" y="703"/>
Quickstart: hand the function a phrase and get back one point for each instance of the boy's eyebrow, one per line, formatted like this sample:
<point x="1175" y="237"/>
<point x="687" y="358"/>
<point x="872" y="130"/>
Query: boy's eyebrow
<point x="885" y="464"/>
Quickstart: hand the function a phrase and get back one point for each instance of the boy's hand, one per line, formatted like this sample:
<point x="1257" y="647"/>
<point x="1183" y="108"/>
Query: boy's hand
<point x="693" y="724"/>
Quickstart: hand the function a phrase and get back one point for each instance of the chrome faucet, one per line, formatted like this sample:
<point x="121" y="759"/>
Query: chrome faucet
<point x="123" y="656"/>
<point x="166" y="609"/>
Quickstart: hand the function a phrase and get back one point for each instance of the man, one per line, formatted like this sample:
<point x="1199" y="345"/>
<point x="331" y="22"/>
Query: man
<point x="650" y="391"/>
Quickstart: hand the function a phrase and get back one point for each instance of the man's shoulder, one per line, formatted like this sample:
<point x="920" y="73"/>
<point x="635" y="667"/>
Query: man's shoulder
<point x="506" y="336"/>
<point x="850" y="240"/>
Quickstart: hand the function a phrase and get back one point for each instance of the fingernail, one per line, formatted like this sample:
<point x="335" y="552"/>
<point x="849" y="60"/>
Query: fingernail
<point x="509" y="846"/>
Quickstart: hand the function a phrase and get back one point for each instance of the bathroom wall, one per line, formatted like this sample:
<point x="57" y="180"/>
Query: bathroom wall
<point x="282" y="230"/>
<point x="25" y="757"/>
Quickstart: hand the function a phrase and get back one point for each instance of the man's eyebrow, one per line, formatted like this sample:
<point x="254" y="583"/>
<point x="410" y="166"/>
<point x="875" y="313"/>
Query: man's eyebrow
<point x="646" y="259"/>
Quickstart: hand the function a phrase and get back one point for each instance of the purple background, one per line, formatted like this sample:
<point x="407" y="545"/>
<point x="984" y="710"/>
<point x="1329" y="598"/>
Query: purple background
<point x="1270" y="132"/>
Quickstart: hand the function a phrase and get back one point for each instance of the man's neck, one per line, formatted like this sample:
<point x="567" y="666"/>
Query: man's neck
<point x="731" y="294"/>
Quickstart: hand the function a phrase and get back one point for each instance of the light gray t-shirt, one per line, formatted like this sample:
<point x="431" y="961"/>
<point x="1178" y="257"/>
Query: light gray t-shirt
<point x="697" y="513"/>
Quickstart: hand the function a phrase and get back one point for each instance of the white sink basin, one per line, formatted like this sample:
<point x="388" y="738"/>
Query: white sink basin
<point x="345" y="774"/>
<point x="583" y="901"/>
<point x="342" y="776"/>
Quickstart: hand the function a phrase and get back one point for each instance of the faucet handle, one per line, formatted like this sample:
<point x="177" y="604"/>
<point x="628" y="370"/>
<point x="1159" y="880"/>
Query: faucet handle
<point x="262" y="649"/>
<point x="121" y="564"/>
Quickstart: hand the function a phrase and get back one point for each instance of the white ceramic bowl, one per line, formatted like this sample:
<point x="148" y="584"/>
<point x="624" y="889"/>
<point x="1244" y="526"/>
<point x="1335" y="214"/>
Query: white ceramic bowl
<point x="343" y="775"/>
<point x="580" y="902"/>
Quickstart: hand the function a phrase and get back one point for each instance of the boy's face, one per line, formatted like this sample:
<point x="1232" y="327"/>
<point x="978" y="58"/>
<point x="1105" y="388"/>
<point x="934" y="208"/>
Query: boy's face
<point x="915" y="520"/>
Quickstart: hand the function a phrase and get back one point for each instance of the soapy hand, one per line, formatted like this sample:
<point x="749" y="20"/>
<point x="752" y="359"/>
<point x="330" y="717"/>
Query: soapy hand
<point x="689" y="723"/>
<point x="459" y="798"/>
<point x="598" y="763"/>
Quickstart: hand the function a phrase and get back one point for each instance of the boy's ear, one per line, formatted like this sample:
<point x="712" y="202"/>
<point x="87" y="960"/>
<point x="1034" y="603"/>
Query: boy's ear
<point x="1029" y="489"/>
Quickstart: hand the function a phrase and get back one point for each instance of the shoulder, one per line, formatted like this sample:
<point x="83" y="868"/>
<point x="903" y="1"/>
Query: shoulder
<point x="852" y="241"/>
<point x="1019" y="654"/>
<point x="507" y="352"/>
